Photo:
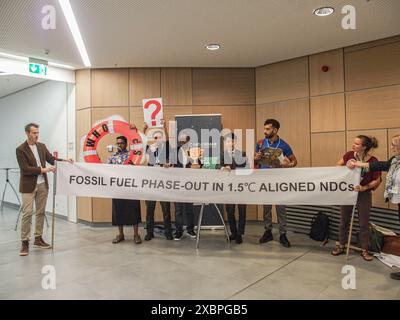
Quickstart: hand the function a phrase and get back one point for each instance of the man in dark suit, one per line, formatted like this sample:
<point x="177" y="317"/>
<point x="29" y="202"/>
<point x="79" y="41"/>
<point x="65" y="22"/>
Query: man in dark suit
<point x="158" y="156"/>
<point x="234" y="159"/>
<point x="180" y="159"/>
<point x="34" y="187"/>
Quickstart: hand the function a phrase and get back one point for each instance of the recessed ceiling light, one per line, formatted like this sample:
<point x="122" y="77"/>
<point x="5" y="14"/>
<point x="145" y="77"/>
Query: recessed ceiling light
<point x="213" y="46"/>
<point x="324" y="11"/>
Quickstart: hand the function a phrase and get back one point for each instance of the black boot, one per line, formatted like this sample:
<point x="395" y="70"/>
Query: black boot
<point x="395" y="275"/>
<point x="284" y="241"/>
<point x="239" y="239"/>
<point x="149" y="235"/>
<point x="267" y="236"/>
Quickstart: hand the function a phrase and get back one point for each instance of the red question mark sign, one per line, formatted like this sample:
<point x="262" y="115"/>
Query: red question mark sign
<point x="155" y="112"/>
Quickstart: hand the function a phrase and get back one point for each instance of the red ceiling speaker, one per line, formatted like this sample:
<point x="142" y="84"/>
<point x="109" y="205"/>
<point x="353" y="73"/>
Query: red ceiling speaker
<point x="325" y="68"/>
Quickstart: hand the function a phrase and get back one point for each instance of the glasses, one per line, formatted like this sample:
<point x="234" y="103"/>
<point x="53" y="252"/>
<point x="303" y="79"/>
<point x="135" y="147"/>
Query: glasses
<point x="120" y="143"/>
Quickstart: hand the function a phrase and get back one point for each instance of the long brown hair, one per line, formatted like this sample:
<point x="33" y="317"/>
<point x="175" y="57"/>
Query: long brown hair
<point x="368" y="142"/>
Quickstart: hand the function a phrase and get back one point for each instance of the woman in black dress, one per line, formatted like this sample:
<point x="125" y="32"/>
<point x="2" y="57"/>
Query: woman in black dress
<point x="125" y="212"/>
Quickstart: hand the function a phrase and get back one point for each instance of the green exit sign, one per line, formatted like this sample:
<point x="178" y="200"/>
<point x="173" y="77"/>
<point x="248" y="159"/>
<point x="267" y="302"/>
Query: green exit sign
<point x="37" y="68"/>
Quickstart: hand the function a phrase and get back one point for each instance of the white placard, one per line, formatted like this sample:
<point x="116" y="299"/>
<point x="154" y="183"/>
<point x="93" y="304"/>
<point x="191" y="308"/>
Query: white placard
<point x="153" y="112"/>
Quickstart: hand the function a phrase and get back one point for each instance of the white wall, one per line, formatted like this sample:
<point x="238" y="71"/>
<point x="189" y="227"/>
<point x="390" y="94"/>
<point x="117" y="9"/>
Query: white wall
<point x="50" y="104"/>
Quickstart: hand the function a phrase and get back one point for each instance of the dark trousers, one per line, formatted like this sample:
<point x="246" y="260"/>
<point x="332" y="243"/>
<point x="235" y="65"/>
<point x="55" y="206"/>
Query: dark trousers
<point x="182" y="208"/>
<point x="364" y="202"/>
<point x="230" y="211"/>
<point x="166" y="210"/>
<point x="282" y="219"/>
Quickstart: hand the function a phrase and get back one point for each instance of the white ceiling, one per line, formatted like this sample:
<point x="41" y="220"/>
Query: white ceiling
<point x="131" y="33"/>
<point x="13" y="83"/>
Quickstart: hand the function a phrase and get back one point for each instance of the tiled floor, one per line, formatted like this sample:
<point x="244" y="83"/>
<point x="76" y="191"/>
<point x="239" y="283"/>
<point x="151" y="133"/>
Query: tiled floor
<point x="89" y="266"/>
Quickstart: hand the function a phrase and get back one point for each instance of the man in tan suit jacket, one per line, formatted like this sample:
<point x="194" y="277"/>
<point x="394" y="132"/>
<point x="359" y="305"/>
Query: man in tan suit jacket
<point x="34" y="187"/>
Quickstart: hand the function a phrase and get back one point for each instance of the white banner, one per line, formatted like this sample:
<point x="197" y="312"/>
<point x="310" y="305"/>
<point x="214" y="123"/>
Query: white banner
<point x="295" y="186"/>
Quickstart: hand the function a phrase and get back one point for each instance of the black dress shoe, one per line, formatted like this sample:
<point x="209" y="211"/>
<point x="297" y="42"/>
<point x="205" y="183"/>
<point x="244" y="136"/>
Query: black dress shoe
<point x="284" y="241"/>
<point x="169" y="236"/>
<point x="239" y="239"/>
<point x="267" y="236"/>
<point x="395" y="275"/>
<point x="149" y="236"/>
<point x="232" y="236"/>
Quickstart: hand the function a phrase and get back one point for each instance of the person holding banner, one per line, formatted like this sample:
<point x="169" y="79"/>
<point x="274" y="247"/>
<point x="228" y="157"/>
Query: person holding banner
<point x="34" y="186"/>
<point x="234" y="159"/>
<point x="183" y="208"/>
<point x="274" y="152"/>
<point x="158" y="156"/>
<point x="392" y="185"/>
<point x="125" y="212"/>
<point x="361" y="148"/>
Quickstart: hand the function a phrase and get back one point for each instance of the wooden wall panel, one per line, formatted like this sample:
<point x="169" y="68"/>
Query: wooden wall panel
<point x="373" y="108"/>
<point x="144" y="83"/>
<point x="227" y="86"/>
<point x="327" y="148"/>
<point x="381" y="153"/>
<point x="84" y="207"/>
<point x="314" y="126"/>
<point x="294" y="117"/>
<point x="176" y="86"/>
<point x="373" y="67"/>
<point x="102" y="210"/>
<point x="83" y="126"/>
<point x="110" y="87"/>
<point x="233" y="117"/>
<point x="136" y="117"/>
<point x="328" y="113"/>
<point x="328" y="82"/>
<point x="282" y="81"/>
<point x="83" y="89"/>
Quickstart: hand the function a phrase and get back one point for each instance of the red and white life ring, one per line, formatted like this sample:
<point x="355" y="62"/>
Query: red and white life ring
<point x="135" y="143"/>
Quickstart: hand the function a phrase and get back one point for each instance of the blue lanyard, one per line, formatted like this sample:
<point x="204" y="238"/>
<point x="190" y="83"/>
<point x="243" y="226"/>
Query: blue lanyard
<point x="269" y="146"/>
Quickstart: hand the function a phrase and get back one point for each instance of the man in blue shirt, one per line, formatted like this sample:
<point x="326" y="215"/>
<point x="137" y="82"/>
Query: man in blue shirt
<point x="274" y="152"/>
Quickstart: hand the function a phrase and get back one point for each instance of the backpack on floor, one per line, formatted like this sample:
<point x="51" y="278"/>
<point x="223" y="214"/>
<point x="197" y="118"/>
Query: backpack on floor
<point x="376" y="239"/>
<point x="320" y="227"/>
